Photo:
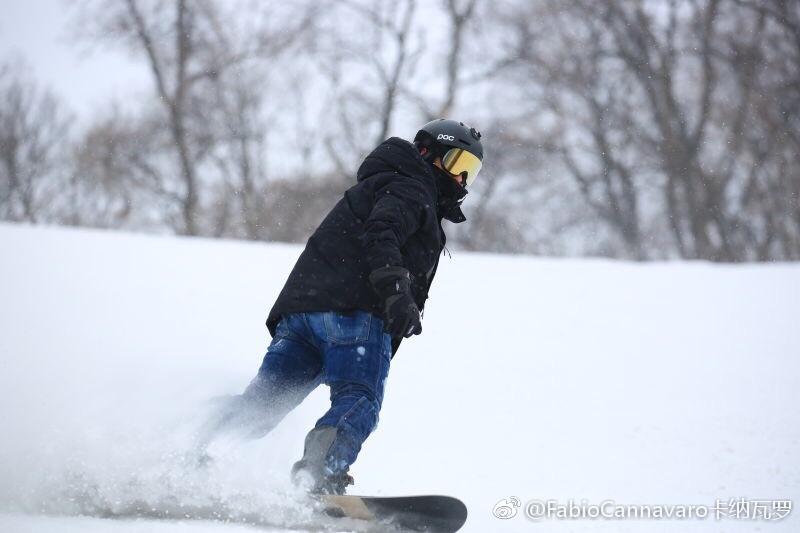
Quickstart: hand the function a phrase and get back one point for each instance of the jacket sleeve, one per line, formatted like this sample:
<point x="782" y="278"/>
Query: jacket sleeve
<point x="398" y="212"/>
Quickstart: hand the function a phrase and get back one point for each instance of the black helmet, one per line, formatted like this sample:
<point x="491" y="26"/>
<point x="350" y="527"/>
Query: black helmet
<point x="457" y="144"/>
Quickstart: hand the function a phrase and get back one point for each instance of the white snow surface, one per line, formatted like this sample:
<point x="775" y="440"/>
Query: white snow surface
<point x="670" y="383"/>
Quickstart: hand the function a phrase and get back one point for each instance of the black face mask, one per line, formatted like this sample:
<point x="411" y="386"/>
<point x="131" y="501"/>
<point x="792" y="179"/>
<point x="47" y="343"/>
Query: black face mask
<point x="451" y="194"/>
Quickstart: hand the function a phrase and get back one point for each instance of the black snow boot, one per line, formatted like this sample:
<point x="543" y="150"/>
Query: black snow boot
<point x="311" y="472"/>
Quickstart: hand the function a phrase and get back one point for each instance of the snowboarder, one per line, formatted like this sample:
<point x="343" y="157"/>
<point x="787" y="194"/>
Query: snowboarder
<point x="356" y="291"/>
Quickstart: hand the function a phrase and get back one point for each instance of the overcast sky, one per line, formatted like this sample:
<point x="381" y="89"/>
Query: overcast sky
<point x="39" y="32"/>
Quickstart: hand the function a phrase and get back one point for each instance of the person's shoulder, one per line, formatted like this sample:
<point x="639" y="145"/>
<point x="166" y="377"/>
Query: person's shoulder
<point x="406" y="190"/>
<point x="396" y="157"/>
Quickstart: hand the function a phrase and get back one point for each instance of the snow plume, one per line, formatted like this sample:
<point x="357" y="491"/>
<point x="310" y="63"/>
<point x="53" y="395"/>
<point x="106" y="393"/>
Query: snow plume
<point x="103" y="387"/>
<point x="96" y="460"/>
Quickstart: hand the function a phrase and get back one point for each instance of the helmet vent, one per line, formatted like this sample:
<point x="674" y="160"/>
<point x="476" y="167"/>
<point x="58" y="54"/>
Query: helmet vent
<point x="465" y="142"/>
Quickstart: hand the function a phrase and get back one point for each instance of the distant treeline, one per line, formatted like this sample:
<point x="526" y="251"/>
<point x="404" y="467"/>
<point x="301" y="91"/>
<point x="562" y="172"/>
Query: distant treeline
<point x="640" y="129"/>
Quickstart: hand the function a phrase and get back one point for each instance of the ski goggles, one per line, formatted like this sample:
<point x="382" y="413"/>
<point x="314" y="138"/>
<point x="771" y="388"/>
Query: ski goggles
<point x="457" y="161"/>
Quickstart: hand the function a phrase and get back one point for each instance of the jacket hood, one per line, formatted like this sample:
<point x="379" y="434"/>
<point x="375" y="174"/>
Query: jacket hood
<point x="399" y="155"/>
<point x="396" y="155"/>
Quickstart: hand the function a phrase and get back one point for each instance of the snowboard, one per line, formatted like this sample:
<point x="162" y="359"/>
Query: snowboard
<point x="439" y="514"/>
<point x="365" y="514"/>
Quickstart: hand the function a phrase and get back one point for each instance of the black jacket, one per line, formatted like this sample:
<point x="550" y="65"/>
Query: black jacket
<point x="392" y="216"/>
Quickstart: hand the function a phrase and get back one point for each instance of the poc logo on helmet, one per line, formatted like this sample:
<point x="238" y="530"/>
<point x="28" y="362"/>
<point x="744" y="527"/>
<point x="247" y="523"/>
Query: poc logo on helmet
<point x="445" y="137"/>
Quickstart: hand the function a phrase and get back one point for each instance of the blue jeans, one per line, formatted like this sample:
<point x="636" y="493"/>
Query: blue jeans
<point x="350" y="352"/>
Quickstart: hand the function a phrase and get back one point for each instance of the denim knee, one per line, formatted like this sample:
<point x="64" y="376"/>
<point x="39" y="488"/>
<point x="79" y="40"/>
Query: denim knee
<point x="363" y="415"/>
<point x="354" y="408"/>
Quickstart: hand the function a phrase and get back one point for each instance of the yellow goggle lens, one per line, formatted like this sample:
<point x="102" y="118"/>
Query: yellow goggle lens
<point x="457" y="161"/>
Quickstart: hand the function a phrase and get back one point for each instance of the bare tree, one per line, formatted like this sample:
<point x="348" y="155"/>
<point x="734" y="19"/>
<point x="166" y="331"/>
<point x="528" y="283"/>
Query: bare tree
<point x="113" y="178"/>
<point x="33" y="128"/>
<point x="589" y="110"/>
<point x="368" y="52"/>
<point x="458" y="14"/>
<point x="645" y="98"/>
<point x="390" y="75"/>
<point x="190" y="50"/>
<point x="240" y="159"/>
<point x="650" y="53"/>
<point x="762" y="49"/>
<point x="717" y="200"/>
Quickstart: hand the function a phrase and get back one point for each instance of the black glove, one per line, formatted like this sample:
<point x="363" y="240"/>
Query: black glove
<point x="401" y="314"/>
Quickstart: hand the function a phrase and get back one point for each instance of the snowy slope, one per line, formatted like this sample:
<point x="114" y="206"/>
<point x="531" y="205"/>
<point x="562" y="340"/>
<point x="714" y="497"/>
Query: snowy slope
<point x="534" y="378"/>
